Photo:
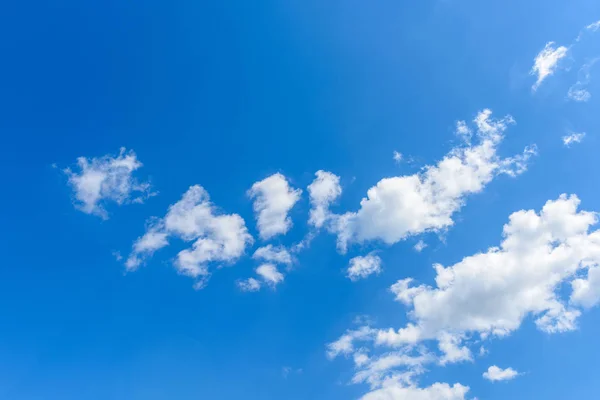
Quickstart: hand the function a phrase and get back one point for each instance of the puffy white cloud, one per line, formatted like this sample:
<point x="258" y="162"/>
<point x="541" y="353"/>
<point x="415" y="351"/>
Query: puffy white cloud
<point x="573" y="137"/>
<point x="586" y="292"/>
<point x="452" y="350"/>
<point x="495" y="373"/>
<point x="490" y="294"/>
<point x="374" y="370"/>
<point x="363" y="266"/>
<point x="278" y="255"/>
<point x="217" y="238"/>
<point x="273" y="199"/>
<point x="249" y="285"/>
<point x="104" y="179"/>
<point x="437" y="391"/>
<point x="546" y="62"/>
<point x="323" y="191"/>
<point x="401" y="206"/>
<point x="270" y="274"/>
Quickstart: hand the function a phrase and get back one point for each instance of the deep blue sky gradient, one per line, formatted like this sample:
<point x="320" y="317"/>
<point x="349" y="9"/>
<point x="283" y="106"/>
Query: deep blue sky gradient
<point x="223" y="94"/>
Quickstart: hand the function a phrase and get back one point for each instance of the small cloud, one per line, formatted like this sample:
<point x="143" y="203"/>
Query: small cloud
<point x="546" y="62"/>
<point x="361" y="267"/>
<point x="397" y="156"/>
<point x="249" y="285"/>
<point x="117" y="255"/>
<point x="573" y="138"/>
<point x="580" y="95"/>
<point x="578" y="91"/>
<point x="362" y="320"/>
<point x="273" y="199"/>
<point x="287" y="371"/>
<point x="109" y="178"/>
<point x="420" y="246"/>
<point x="270" y="274"/>
<point x="494" y="374"/>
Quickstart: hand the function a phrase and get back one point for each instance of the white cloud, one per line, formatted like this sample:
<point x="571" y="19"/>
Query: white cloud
<point x="490" y="294"/>
<point x="577" y="94"/>
<point x="109" y="178"/>
<point x="345" y="344"/>
<point x="573" y="138"/>
<point x="451" y="349"/>
<point x="546" y="62"/>
<point x="593" y="27"/>
<point x="578" y="91"/>
<point x="420" y="246"/>
<point x="323" y="191"/>
<point x="278" y="255"/>
<point x="374" y="370"/>
<point x="363" y="266"/>
<point x="273" y="199"/>
<point x="403" y="206"/>
<point x="217" y="238"/>
<point x="494" y="374"/>
<point x="270" y="274"/>
<point x="437" y="391"/>
<point x="586" y="292"/>
<point x="249" y="285"/>
<point x="397" y="156"/>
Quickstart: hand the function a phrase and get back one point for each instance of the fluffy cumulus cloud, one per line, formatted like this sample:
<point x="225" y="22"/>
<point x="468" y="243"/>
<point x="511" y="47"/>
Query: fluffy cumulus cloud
<point x="546" y="62"/>
<point x="274" y="254"/>
<point x="401" y="206"/>
<point x="489" y="294"/>
<point x="98" y="181"/>
<point x="273" y="199"/>
<point x="573" y="137"/>
<point x="216" y="237"/>
<point x="323" y="191"/>
<point x="363" y="266"/>
<point x="270" y="274"/>
<point x="495" y="373"/>
<point x="267" y="273"/>
<point x="437" y="391"/>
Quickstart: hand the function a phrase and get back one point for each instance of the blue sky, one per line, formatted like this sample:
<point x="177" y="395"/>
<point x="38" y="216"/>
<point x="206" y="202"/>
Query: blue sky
<point x="114" y="287"/>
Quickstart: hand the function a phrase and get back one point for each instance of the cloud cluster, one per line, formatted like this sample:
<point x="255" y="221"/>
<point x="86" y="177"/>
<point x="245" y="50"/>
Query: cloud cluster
<point x="217" y="238"/>
<point x="489" y="294"/>
<point x="402" y="206"/>
<point x="267" y="272"/>
<point x="107" y="179"/>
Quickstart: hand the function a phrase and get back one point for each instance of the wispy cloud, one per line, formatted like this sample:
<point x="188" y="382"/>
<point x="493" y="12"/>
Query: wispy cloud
<point x="546" y="62"/>
<point x="98" y="181"/>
